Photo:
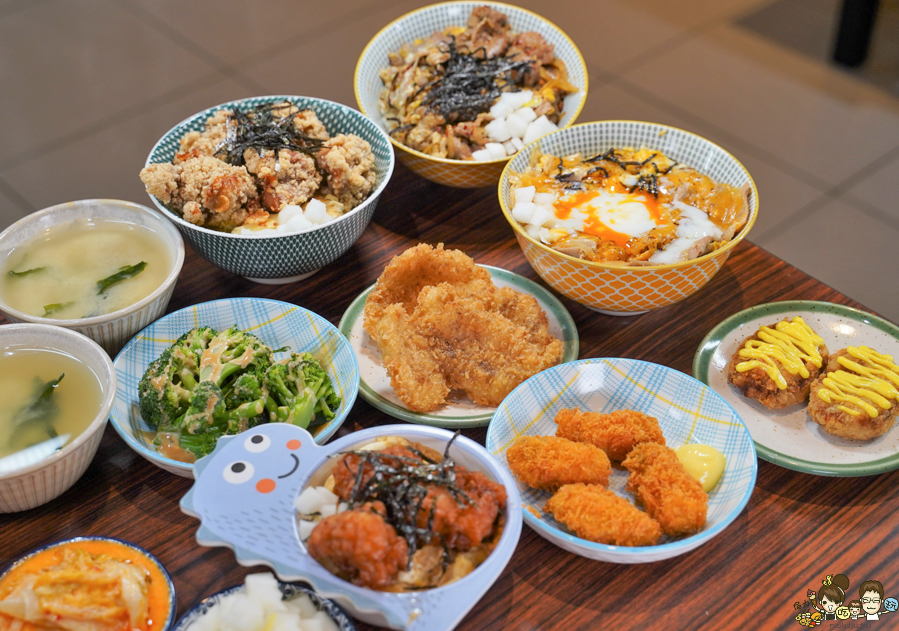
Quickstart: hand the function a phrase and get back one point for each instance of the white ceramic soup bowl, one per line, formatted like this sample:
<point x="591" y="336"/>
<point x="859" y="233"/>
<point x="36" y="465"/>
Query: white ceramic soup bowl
<point x="48" y="478"/>
<point x="111" y="330"/>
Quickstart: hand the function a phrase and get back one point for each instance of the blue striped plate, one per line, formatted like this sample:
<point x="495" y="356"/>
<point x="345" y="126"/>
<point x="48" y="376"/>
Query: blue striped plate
<point x="687" y="411"/>
<point x="277" y="324"/>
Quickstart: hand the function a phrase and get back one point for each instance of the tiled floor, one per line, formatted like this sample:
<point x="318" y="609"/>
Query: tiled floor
<point x="89" y="86"/>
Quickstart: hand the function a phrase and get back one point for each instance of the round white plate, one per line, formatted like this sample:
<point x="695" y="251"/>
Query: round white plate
<point x="459" y="411"/>
<point x="789" y="437"/>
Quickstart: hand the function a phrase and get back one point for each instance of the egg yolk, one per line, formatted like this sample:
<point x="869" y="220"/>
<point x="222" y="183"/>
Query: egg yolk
<point x="703" y="462"/>
<point x="612" y="216"/>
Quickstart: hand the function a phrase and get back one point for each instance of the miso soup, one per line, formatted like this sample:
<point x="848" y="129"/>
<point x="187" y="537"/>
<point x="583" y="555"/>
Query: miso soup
<point x="36" y="417"/>
<point x="85" y="268"/>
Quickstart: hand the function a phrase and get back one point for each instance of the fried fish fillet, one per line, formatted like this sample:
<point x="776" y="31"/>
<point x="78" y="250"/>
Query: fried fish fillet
<point x="615" y="433"/>
<point x="597" y="514"/>
<point x="441" y="323"/>
<point x="548" y="462"/>
<point x="662" y="485"/>
<point x="415" y="373"/>
<point x="483" y="352"/>
<point x="407" y="274"/>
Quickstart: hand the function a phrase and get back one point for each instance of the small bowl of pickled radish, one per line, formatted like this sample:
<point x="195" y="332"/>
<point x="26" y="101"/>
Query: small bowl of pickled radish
<point x="103" y="267"/>
<point x="700" y="427"/>
<point x="57" y="387"/>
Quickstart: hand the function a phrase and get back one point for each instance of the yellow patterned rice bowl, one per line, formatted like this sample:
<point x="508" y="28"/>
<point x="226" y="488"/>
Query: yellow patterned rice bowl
<point x="422" y="23"/>
<point x="615" y="289"/>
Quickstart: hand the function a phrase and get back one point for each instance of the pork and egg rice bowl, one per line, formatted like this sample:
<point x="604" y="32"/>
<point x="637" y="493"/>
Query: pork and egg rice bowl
<point x="474" y="92"/>
<point x="626" y="207"/>
<point x="227" y="177"/>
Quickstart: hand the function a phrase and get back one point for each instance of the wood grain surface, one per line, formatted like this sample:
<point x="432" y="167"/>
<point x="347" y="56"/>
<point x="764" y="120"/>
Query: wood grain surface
<point x="796" y="528"/>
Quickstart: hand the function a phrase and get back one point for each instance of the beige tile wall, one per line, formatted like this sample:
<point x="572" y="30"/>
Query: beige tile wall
<point x="88" y="87"/>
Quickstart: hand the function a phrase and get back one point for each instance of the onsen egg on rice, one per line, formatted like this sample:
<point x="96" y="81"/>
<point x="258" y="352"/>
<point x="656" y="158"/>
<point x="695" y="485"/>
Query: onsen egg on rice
<point x="626" y="206"/>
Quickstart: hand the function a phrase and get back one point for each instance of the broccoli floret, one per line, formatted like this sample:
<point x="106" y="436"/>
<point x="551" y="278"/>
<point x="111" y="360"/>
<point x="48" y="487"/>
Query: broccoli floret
<point x="233" y="351"/>
<point x="163" y="396"/>
<point x="247" y="394"/>
<point x="165" y="389"/>
<point x="326" y="399"/>
<point x="299" y="390"/>
<point x="209" y="416"/>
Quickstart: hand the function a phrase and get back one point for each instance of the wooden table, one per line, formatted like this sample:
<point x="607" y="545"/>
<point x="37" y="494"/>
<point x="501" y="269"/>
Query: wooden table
<point x="796" y="529"/>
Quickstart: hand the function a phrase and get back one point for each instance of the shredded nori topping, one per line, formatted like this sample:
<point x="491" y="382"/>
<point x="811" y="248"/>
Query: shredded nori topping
<point x="470" y="83"/>
<point x="262" y="129"/>
<point x="402" y="484"/>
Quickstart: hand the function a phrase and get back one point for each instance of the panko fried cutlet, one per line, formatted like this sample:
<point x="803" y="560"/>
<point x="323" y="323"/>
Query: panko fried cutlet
<point x="856" y="397"/>
<point x="777" y="365"/>
<point x="597" y="514"/>
<point x="548" y="462"/>
<point x="615" y="433"/>
<point x="442" y="324"/>
<point x="665" y="489"/>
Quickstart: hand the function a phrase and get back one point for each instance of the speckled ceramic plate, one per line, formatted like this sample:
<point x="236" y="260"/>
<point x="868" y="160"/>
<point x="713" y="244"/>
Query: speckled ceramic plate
<point x="460" y="411"/>
<point x="789" y="437"/>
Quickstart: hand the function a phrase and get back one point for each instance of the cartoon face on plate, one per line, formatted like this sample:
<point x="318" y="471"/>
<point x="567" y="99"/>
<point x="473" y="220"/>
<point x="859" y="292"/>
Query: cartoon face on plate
<point x="245" y="489"/>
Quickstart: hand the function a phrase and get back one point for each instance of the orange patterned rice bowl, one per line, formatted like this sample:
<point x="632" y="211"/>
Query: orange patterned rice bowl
<point x="619" y="289"/>
<point x="420" y="24"/>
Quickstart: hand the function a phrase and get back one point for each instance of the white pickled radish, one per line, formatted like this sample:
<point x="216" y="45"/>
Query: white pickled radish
<point x="509" y="147"/>
<point x="542" y="217"/>
<point x="523" y="212"/>
<point x="532" y="230"/>
<point x="517" y="99"/>
<point x="306" y="528"/>
<point x="525" y="114"/>
<point x="501" y="109"/>
<point x="496" y="150"/>
<point x="308" y="502"/>
<point x="545" y="236"/>
<point x="481" y="155"/>
<point x="526" y="194"/>
<point x="327" y="496"/>
<point x="516" y="142"/>
<point x="538" y="129"/>
<point x="328" y="509"/>
<point x="317" y="212"/>
<point x="545" y="199"/>
<point x="297" y="223"/>
<point x="498" y="130"/>
<point x="516" y="126"/>
<point x="289" y="212"/>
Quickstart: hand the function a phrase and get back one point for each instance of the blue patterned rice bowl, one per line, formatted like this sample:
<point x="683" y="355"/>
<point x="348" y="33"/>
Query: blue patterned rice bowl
<point x="687" y="411"/>
<point x="283" y="258"/>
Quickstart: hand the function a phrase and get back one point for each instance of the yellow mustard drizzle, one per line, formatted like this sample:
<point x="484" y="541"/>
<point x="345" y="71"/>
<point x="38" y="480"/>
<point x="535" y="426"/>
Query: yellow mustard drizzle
<point x="790" y="343"/>
<point x="861" y="385"/>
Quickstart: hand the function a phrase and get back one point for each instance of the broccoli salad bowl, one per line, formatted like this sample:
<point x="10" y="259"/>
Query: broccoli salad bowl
<point x="221" y="367"/>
